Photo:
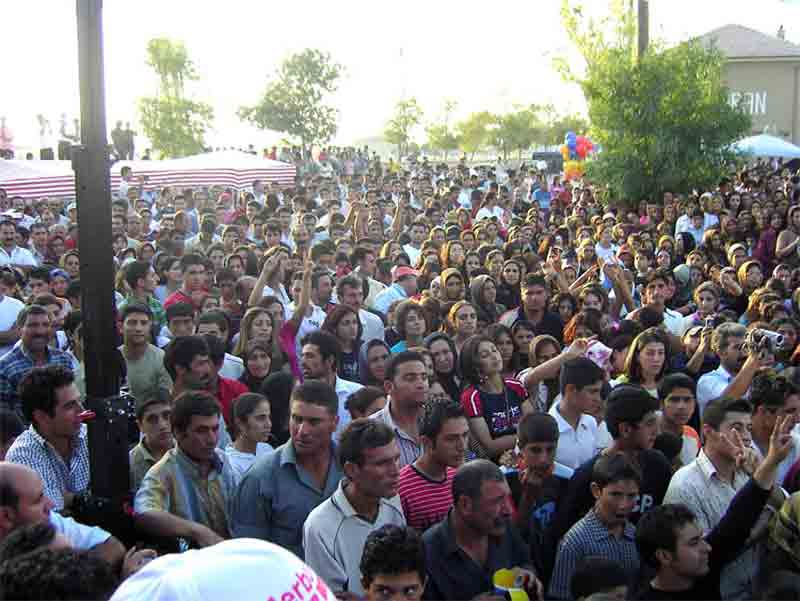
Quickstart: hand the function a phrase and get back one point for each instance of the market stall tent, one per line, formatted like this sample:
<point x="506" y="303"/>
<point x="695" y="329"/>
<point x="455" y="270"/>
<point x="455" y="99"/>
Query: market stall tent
<point x="229" y="169"/>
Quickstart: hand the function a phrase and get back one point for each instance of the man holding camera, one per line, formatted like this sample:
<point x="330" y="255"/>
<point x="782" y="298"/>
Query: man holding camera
<point x="736" y="366"/>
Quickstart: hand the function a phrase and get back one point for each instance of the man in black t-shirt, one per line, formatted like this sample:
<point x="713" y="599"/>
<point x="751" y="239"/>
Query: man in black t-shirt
<point x="633" y="424"/>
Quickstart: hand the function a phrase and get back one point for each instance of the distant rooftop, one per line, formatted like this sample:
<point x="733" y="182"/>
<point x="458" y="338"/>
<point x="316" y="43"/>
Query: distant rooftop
<point x="736" y="41"/>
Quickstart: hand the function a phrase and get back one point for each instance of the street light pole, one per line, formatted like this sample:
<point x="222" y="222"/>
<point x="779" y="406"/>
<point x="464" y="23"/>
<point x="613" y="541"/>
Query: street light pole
<point x="108" y="456"/>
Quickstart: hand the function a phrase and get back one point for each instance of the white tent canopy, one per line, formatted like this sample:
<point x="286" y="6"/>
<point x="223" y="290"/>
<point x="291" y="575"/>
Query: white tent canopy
<point x="767" y="146"/>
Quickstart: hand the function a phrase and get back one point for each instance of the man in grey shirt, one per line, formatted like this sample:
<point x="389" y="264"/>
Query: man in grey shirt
<point x="279" y="491"/>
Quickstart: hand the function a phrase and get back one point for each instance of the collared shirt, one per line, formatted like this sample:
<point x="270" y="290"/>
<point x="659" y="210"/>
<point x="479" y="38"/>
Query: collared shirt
<point x="591" y="537"/>
<point x="575" y="445"/>
<point x="276" y="495"/>
<point x="334" y="536"/>
<point x="31" y="449"/>
<point x="13" y="367"/>
<point x="344" y="388"/>
<point x="410" y="449"/>
<point x="386" y="297"/>
<point x="80" y="536"/>
<point x="141" y="460"/>
<point x="159" y="313"/>
<point x="698" y="486"/>
<point x="372" y="326"/>
<point x="710" y="386"/>
<point x="175" y="485"/>
<point x="17" y="256"/>
<point x="452" y="574"/>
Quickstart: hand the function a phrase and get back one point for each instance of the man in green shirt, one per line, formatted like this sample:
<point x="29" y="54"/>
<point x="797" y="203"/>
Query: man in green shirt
<point x="142" y="280"/>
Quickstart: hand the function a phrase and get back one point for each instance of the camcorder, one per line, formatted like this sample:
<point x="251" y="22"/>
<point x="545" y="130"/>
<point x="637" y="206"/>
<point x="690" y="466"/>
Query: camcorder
<point x="762" y="342"/>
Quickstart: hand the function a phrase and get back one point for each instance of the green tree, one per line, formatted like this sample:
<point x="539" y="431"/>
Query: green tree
<point x="407" y="116"/>
<point x="294" y="102"/>
<point x="663" y="119"/>
<point x="475" y="132"/>
<point x="440" y="133"/>
<point x="557" y="127"/>
<point x="175" y="124"/>
<point x="518" y="130"/>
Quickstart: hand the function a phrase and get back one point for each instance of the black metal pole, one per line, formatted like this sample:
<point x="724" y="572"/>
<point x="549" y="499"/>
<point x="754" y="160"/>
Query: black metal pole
<point x="93" y="191"/>
<point x="644" y="26"/>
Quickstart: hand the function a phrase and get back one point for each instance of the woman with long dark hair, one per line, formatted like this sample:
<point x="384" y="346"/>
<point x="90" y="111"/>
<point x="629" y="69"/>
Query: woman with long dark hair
<point x="252" y="428"/>
<point x="372" y="358"/>
<point x="344" y="324"/>
<point x="445" y="362"/>
<point x="493" y="405"/>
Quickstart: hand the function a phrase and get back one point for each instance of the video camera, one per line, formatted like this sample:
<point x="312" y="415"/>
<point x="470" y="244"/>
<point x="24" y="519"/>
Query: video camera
<point x="762" y="341"/>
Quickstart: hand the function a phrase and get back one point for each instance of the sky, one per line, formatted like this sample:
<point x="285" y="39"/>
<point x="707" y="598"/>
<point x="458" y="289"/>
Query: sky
<point x="485" y="55"/>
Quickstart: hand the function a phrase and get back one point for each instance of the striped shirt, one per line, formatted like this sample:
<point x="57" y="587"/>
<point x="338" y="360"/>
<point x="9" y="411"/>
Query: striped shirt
<point x="13" y="367"/>
<point x="590" y="537"/>
<point x="31" y="449"/>
<point x="410" y="449"/>
<point x="425" y="502"/>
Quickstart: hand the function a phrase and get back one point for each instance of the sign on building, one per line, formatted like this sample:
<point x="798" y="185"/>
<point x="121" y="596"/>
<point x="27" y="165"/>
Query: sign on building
<point x="753" y="103"/>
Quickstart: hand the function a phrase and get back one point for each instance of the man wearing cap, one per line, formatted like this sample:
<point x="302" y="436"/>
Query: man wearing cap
<point x="404" y="286"/>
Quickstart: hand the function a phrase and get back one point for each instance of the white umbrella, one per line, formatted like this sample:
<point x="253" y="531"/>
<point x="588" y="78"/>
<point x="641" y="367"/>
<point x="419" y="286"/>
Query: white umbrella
<point x="767" y="146"/>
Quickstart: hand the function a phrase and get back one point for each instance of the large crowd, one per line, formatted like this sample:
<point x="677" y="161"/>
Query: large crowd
<point x="412" y="381"/>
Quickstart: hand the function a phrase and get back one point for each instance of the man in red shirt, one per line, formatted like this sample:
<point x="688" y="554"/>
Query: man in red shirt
<point x="193" y="286"/>
<point x="225" y="390"/>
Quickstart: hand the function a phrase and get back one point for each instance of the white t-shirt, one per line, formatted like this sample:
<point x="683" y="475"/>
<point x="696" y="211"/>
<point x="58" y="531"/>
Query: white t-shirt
<point x="486" y="213"/>
<point x="9" y="309"/>
<point x="241" y="462"/>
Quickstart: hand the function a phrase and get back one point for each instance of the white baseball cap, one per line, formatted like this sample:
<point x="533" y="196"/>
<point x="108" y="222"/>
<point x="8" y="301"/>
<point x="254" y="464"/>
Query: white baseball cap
<point x="244" y="569"/>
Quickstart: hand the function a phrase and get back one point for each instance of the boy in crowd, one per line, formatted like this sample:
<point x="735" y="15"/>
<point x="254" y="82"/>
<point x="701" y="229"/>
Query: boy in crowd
<point x="393" y="565"/>
<point x="606" y="530"/>
<point x="544" y="483"/>
<point x="677" y="394"/>
<point x="153" y="418"/>
<point x="632" y="423"/>
<point x="426" y="486"/>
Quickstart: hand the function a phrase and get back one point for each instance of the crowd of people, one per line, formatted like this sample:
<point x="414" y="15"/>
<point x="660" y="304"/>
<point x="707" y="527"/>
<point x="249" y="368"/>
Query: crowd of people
<point x="413" y="382"/>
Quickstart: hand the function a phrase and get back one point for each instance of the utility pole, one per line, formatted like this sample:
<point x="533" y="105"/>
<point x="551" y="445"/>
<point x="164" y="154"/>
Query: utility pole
<point x="643" y="14"/>
<point x="108" y="459"/>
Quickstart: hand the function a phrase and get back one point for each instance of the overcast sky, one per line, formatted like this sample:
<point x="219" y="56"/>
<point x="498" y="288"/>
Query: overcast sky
<point x="487" y="55"/>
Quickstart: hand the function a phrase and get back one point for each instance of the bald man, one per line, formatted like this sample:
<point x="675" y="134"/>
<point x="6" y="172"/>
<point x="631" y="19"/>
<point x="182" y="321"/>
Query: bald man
<point x="23" y="502"/>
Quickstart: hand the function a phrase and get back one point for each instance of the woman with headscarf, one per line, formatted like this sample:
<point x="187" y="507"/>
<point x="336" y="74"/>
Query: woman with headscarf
<point x="483" y="291"/>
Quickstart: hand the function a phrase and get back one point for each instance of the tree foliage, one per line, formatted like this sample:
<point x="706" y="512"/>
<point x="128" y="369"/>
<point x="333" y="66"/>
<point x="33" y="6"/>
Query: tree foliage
<point x="175" y="124"/>
<point x="662" y="120"/>
<point x="294" y="101"/>
<point x="519" y="130"/>
<point x="474" y="133"/>
<point x="441" y="135"/>
<point x="559" y="125"/>
<point x="407" y="116"/>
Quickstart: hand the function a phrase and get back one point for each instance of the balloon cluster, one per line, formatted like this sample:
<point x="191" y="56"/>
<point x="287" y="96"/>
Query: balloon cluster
<point x="574" y="150"/>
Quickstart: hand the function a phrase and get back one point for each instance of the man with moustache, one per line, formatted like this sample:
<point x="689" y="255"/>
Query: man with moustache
<point x="32" y="351"/>
<point x="463" y="551"/>
<point x="335" y="532"/>
<point x="279" y="491"/>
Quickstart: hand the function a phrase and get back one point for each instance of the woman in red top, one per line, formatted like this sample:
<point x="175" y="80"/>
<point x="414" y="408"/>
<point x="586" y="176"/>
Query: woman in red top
<point x="493" y="405"/>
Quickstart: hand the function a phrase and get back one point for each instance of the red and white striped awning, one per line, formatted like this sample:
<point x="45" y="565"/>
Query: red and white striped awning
<point x="230" y="169"/>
